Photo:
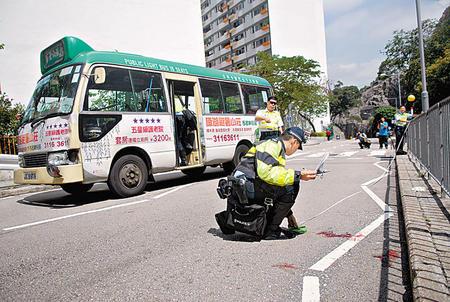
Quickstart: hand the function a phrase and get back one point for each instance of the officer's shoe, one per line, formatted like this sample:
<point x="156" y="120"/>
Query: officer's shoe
<point x="280" y="233"/>
<point x="288" y="233"/>
<point x="272" y="235"/>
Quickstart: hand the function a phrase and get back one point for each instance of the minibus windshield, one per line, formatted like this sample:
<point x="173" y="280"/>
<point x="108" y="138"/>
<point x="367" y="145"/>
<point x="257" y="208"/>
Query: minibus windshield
<point x="54" y="94"/>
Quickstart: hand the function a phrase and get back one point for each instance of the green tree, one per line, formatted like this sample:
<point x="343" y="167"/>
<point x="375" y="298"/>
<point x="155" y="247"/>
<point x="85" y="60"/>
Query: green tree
<point x="388" y="112"/>
<point x="295" y="81"/>
<point x="402" y="54"/>
<point x="9" y="113"/>
<point x="342" y="98"/>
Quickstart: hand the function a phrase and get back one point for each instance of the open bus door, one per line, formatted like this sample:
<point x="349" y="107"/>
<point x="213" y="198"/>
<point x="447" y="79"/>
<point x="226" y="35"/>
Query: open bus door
<point x="184" y="90"/>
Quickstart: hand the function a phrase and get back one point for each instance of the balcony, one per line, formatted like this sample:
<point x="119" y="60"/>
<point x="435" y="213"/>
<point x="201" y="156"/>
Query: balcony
<point x="259" y="17"/>
<point x="223" y="65"/>
<point x="223" y="38"/>
<point x="264" y="46"/>
<point x="237" y="44"/>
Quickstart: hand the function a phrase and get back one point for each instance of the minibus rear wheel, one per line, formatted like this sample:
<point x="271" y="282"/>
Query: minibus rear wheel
<point x="128" y="176"/>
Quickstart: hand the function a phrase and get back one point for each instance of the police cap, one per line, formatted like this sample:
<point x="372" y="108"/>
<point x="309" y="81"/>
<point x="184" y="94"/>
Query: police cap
<point x="298" y="133"/>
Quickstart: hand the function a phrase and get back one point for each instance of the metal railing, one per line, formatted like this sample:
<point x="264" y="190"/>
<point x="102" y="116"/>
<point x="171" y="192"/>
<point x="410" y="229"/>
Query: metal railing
<point x="428" y="141"/>
<point x="8" y="144"/>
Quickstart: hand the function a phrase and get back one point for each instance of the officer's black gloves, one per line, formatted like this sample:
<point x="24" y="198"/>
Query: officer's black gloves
<point x="297" y="177"/>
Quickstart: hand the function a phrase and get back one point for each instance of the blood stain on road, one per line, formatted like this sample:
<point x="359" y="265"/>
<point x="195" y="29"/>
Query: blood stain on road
<point x="388" y="257"/>
<point x="330" y="234"/>
<point x="285" y="266"/>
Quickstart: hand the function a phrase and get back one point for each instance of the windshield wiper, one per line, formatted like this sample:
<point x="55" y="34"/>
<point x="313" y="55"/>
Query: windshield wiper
<point x="42" y="118"/>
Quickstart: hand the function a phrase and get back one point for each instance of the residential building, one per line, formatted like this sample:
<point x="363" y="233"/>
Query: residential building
<point x="234" y="31"/>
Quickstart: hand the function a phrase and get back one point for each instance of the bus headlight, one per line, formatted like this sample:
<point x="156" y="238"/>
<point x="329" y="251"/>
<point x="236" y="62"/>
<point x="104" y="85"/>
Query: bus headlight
<point x="21" y="160"/>
<point x="60" y="158"/>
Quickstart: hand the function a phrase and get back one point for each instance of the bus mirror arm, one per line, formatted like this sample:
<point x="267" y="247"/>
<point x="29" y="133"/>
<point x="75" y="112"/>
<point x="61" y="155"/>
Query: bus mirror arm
<point x="99" y="75"/>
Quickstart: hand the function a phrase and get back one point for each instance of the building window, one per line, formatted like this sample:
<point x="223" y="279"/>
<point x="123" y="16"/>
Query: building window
<point x="261" y="41"/>
<point x="239" y="51"/>
<point x="206" y="28"/>
<point x="206" y="3"/>
<point x="238" y="37"/>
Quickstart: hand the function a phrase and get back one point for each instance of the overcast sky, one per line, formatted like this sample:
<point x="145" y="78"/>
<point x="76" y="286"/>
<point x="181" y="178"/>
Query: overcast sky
<point x="356" y="32"/>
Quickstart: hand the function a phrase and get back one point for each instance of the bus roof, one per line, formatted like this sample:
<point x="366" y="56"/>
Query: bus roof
<point x="71" y="50"/>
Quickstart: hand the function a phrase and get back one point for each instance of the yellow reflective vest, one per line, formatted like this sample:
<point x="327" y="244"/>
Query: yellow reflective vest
<point x="270" y="158"/>
<point x="401" y="119"/>
<point x="275" y="120"/>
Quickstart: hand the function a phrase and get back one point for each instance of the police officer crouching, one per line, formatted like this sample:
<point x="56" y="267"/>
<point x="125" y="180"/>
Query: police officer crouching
<point x="261" y="191"/>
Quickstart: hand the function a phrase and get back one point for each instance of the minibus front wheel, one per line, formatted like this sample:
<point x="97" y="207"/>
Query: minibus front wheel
<point x="128" y="176"/>
<point x="76" y="188"/>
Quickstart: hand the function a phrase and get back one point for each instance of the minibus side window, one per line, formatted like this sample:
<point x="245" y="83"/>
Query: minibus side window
<point x="126" y="91"/>
<point x="232" y="97"/>
<point x="254" y="98"/>
<point x="220" y="97"/>
<point x="211" y="97"/>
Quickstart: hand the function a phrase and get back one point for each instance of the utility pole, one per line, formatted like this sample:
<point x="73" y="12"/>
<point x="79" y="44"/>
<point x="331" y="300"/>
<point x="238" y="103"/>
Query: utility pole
<point x="425" y="103"/>
<point x="399" y="90"/>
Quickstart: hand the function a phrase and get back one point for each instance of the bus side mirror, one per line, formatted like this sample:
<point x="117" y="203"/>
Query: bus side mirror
<point x="99" y="75"/>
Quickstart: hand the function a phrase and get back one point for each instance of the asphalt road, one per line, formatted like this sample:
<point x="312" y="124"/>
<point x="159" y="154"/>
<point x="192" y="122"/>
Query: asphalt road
<point x="164" y="245"/>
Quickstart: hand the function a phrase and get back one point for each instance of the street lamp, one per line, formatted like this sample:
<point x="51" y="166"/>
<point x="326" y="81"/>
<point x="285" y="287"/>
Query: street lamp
<point x="425" y="104"/>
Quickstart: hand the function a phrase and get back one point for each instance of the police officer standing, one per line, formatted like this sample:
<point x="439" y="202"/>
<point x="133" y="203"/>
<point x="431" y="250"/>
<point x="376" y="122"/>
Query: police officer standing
<point x="270" y="122"/>
<point x="264" y="165"/>
<point x="400" y="121"/>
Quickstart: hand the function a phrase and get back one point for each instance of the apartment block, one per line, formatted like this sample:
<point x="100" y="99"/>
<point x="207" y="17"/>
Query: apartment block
<point x="234" y="31"/>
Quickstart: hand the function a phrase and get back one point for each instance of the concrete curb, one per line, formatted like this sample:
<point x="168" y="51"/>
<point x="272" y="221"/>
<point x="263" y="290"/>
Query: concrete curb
<point x="24" y="189"/>
<point x="428" y="278"/>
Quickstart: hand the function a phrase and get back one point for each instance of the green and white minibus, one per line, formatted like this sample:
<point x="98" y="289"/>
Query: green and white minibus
<point x="98" y="116"/>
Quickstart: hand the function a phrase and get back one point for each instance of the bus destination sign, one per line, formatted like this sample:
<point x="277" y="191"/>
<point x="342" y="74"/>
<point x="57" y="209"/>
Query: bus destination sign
<point x="54" y="54"/>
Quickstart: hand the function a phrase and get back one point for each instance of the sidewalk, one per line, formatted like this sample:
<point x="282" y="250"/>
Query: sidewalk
<point x="427" y="225"/>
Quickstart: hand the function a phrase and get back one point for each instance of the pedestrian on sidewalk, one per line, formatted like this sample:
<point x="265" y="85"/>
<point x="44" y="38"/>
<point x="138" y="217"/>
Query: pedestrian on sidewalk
<point x="383" y="133"/>
<point x="401" y="120"/>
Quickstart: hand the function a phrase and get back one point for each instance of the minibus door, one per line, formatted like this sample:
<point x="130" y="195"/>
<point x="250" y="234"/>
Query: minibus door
<point x="184" y="96"/>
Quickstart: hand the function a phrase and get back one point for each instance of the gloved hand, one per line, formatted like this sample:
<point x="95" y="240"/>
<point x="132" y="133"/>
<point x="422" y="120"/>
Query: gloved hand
<point x="297" y="177"/>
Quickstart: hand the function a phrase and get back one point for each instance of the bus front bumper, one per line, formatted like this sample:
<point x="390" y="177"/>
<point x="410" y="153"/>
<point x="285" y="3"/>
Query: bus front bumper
<point x="40" y="176"/>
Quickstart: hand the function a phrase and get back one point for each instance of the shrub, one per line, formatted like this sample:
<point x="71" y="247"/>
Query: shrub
<point x="318" y="134"/>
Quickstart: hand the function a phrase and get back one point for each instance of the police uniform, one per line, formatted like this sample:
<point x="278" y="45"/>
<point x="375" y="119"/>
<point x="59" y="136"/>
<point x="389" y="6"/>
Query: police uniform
<point x="400" y="121"/>
<point x="269" y="130"/>
<point x="272" y="179"/>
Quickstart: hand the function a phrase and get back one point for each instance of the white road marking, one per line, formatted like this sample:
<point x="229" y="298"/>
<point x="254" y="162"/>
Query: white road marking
<point x="377" y="199"/>
<point x="340" y="251"/>
<point x="319" y="154"/>
<point x="297" y="154"/>
<point x="171" y="191"/>
<point x="382" y="168"/>
<point x="311" y="289"/>
<point x="354" y="158"/>
<point x="377" y="153"/>
<point x="330" y="207"/>
<point x="74" y="215"/>
<point x="29" y="194"/>
<point x="347" y="154"/>
<point x="93" y="211"/>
